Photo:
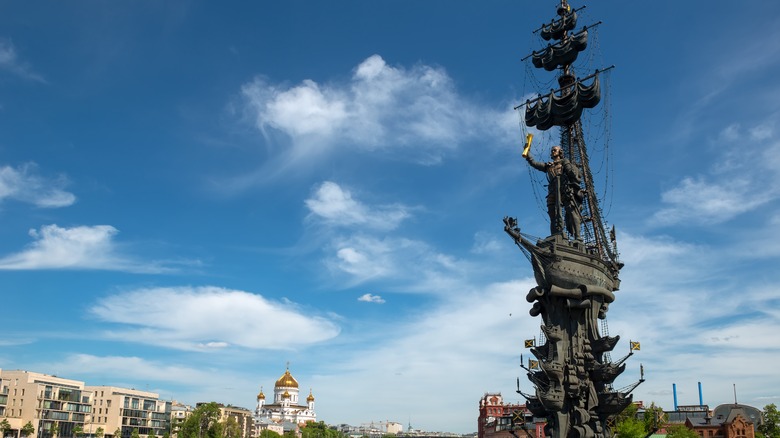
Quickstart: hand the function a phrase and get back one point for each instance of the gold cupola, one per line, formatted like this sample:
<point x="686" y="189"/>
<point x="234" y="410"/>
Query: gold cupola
<point x="310" y="398"/>
<point x="261" y="396"/>
<point x="286" y="381"/>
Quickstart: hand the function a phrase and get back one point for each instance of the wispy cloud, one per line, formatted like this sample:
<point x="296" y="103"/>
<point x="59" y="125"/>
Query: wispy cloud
<point x="369" y="298"/>
<point x="416" y="112"/>
<point x="186" y="380"/>
<point x="486" y="243"/>
<point x="10" y="61"/>
<point x="210" y="318"/>
<point x="82" y="247"/>
<point x="736" y="185"/>
<point x="690" y="302"/>
<point x="458" y="350"/>
<point x="26" y="185"/>
<point x="130" y="367"/>
<point x="412" y="265"/>
<point x="335" y="206"/>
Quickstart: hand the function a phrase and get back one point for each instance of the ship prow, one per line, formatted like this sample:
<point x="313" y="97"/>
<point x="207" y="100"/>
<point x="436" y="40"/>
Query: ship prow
<point x="567" y="264"/>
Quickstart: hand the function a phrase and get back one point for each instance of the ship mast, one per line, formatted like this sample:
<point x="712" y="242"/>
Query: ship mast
<point x="574" y="147"/>
<point x="572" y="96"/>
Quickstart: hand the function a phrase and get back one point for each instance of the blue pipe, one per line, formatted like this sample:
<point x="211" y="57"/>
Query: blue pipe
<point x="701" y="400"/>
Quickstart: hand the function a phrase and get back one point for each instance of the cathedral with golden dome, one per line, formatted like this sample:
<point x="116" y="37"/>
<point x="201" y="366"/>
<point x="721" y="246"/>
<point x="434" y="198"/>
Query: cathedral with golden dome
<point x="285" y="407"/>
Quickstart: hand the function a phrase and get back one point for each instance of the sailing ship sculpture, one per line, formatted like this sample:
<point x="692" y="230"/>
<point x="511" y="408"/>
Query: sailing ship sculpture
<point x="576" y="267"/>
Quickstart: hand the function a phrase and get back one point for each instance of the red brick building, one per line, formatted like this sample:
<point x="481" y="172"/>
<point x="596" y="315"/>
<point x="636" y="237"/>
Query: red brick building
<point x="496" y="419"/>
<point x="735" y="425"/>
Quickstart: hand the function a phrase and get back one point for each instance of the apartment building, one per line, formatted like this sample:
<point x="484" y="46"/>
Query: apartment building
<point x="117" y="411"/>
<point x="243" y="417"/>
<point x="4" y="388"/>
<point x="50" y="404"/>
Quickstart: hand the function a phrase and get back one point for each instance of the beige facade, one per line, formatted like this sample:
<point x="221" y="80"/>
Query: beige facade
<point x="121" y="409"/>
<point x="51" y="403"/>
<point x="44" y="401"/>
<point x="261" y="426"/>
<point x="242" y="416"/>
<point x="179" y="413"/>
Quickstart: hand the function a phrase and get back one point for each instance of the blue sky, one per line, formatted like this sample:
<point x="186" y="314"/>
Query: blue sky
<point x="194" y="194"/>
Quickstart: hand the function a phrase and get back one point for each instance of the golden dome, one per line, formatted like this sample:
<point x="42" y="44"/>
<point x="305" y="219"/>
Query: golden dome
<point x="287" y="380"/>
<point x="261" y="396"/>
<point x="310" y="398"/>
<point x="286" y="394"/>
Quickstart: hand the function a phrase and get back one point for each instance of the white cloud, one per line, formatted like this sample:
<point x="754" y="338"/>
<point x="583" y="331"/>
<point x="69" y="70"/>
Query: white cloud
<point x="486" y="243"/>
<point x="336" y="206"/>
<point x="737" y="183"/>
<point x="469" y="344"/>
<point x="130" y="368"/>
<point x="83" y="247"/>
<point x="368" y="298"/>
<point x="209" y="318"/>
<point x="25" y="185"/>
<point x="410" y="264"/>
<point x="10" y="61"/>
<point x="415" y="112"/>
<point x="703" y="200"/>
<point x="695" y="314"/>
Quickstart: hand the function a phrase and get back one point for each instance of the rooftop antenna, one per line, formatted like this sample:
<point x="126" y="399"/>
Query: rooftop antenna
<point x="735" y="393"/>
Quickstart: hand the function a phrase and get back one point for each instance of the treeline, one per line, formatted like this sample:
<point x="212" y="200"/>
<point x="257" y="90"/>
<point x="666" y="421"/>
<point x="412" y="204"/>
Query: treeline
<point x="204" y="423"/>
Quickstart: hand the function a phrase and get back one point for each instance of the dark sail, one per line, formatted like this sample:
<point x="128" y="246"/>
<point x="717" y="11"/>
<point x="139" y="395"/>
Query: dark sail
<point x="556" y="29"/>
<point x="561" y="53"/>
<point x="564" y="108"/>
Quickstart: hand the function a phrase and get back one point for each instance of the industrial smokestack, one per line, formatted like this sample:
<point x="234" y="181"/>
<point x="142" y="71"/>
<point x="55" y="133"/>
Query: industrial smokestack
<point x="674" y="391"/>
<point x="701" y="399"/>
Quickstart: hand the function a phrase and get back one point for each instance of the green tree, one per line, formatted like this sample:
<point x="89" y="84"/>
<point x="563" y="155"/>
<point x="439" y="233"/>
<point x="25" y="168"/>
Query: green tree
<point x="28" y="429"/>
<point x="680" y="431"/>
<point x="319" y="430"/>
<point x="117" y="433"/>
<point x="770" y="427"/>
<point x="290" y="434"/>
<point x="627" y="425"/>
<point x="269" y="434"/>
<point x="55" y="429"/>
<point x="4" y="425"/>
<point x="134" y="433"/>
<point x="231" y="429"/>
<point x="202" y="423"/>
<point x="630" y="428"/>
<point x="99" y="432"/>
<point x="78" y="431"/>
<point x="151" y="434"/>
<point x="654" y="418"/>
